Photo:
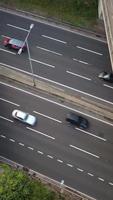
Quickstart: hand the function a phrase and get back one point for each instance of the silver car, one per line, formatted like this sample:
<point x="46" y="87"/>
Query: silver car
<point x="24" y="117"/>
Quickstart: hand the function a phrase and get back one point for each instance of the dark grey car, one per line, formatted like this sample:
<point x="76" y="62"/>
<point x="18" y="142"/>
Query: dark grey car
<point x="77" y="120"/>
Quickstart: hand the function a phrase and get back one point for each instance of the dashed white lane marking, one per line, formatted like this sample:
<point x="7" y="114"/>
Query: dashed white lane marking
<point x="13" y="26"/>
<point x="90" y="174"/>
<point x="108" y="86"/>
<point x="50" y="156"/>
<point x="60" y="161"/>
<point x="52" y="66"/>
<point x="69" y="165"/>
<point x="51" y="38"/>
<point x="7" y="51"/>
<point x="80" y="61"/>
<point x="110" y="183"/>
<point x="21" y="144"/>
<point x="100" y="54"/>
<point x="40" y="152"/>
<point x="41" y="133"/>
<point x="9" y="102"/>
<point x="91" y="134"/>
<point x="47" y="117"/>
<point x="6" y="119"/>
<point x="81" y="170"/>
<point x="101" y="179"/>
<point x="78" y="75"/>
<point x="3" y="136"/>
<point x="54" y="52"/>
<point x="12" y="140"/>
<point x="56" y="103"/>
<point x="30" y="148"/>
<point x="84" y="151"/>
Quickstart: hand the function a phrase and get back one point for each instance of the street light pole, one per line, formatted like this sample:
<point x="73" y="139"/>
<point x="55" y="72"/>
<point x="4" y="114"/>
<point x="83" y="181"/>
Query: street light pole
<point x="20" y="51"/>
<point x="30" y="63"/>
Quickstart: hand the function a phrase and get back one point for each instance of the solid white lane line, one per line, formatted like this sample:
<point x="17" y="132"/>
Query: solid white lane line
<point x="6" y="119"/>
<point x="69" y="165"/>
<point x="90" y="174"/>
<point x="54" y="52"/>
<point x="110" y="183"/>
<point x="21" y="144"/>
<point x="51" y="38"/>
<point x="52" y="66"/>
<point x="41" y="133"/>
<point x="100" y="54"/>
<point x="91" y="134"/>
<point x="80" y="61"/>
<point x="59" y="104"/>
<point x="60" y="161"/>
<point x="101" y="179"/>
<point x="81" y="170"/>
<point x="3" y="136"/>
<point x="30" y="148"/>
<point x="50" y="156"/>
<point x="82" y="150"/>
<point x="7" y="51"/>
<point x="12" y="140"/>
<point x="13" y="26"/>
<point x="47" y="117"/>
<point x="108" y="86"/>
<point x="9" y="102"/>
<point x="40" y="152"/>
<point x="78" y="75"/>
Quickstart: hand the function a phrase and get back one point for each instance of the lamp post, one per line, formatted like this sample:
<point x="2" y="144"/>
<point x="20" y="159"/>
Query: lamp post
<point x="20" y="51"/>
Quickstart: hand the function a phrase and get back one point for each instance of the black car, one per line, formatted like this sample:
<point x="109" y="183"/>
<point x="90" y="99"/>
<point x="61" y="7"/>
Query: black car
<point x="77" y="120"/>
<point x="106" y="76"/>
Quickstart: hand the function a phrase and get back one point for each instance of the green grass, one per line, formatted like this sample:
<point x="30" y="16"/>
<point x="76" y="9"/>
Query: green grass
<point x="74" y="12"/>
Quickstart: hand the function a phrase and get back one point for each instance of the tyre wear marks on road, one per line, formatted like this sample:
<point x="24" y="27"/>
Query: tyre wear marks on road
<point x="58" y="160"/>
<point x="91" y="134"/>
<point x="9" y="102"/>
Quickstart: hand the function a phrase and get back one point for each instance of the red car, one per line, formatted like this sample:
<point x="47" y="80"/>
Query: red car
<point x="12" y="43"/>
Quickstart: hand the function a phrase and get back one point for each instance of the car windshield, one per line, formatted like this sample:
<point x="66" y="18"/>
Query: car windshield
<point x="22" y="115"/>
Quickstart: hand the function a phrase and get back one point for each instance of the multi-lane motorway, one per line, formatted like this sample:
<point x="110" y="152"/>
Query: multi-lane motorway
<point x="71" y="61"/>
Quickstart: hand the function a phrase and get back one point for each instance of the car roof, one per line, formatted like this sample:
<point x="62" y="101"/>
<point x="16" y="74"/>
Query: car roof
<point x="73" y="116"/>
<point x="16" y="42"/>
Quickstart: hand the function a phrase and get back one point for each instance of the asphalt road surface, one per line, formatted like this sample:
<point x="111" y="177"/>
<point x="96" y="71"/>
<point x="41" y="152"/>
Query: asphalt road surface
<point x="83" y="159"/>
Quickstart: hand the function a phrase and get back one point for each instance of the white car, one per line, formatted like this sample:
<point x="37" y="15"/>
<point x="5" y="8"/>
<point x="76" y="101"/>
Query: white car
<point x="24" y="117"/>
